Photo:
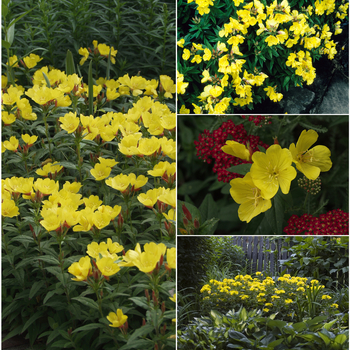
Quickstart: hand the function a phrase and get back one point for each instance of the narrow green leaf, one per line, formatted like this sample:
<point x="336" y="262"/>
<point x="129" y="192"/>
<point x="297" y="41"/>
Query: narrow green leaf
<point x="35" y="288"/>
<point x="241" y="169"/>
<point x="91" y="90"/>
<point x="10" y="34"/>
<point x="87" y="302"/>
<point x="88" y="327"/>
<point x="144" y="330"/>
<point x="47" y="80"/>
<point x="70" y="68"/>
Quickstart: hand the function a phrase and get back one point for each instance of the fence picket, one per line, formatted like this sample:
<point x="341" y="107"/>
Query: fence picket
<point x="256" y="255"/>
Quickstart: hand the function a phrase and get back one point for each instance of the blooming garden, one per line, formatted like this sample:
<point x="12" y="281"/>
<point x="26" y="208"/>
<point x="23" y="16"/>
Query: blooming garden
<point x="235" y="54"/>
<point x="88" y="196"/>
<point x="229" y="305"/>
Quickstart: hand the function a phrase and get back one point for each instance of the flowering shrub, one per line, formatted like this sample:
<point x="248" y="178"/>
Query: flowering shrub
<point x="88" y="200"/>
<point x="292" y="297"/>
<point x="239" y="53"/>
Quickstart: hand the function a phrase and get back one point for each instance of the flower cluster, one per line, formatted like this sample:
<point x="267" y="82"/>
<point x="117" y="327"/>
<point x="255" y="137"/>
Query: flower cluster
<point x="237" y="67"/>
<point x="83" y="167"/>
<point x="209" y="148"/>
<point x="284" y="294"/>
<point x="273" y="170"/>
<point x="334" y="222"/>
<point x="259" y="120"/>
<point x="310" y="186"/>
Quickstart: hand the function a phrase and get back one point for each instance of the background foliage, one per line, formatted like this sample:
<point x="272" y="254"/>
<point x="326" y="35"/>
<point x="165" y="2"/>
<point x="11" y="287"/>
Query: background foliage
<point x="143" y="32"/>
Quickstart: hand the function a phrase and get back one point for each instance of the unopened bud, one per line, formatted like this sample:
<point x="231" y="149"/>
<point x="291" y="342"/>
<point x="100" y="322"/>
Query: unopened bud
<point x="186" y="212"/>
<point x="196" y="223"/>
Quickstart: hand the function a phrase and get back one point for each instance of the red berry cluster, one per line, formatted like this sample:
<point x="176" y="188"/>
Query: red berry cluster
<point x="209" y="148"/>
<point x="258" y="120"/>
<point x="335" y="222"/>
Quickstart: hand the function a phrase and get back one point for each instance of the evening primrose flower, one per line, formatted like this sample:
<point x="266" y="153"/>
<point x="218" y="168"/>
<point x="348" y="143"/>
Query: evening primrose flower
<point x="81" y="270"/>
<point x="11" y="144"/>
<point x="117" y="319"/>
<point x="272" y="170"/>
<point x="85" y="53"/>
<point x="107" y="266"/>
<point x="310" y="161"/>
<point x="31" y="60"/>
<point x="9" y="208"/>
<point x="236" y="149"/>
<point x="171" y="257"/>
<point x="29" y="140"/>
<point x="250" y="198"/>
<point x="100" y="171"/>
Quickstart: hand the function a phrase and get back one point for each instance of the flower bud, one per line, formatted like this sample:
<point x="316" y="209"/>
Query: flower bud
<point x="186" y="212"/>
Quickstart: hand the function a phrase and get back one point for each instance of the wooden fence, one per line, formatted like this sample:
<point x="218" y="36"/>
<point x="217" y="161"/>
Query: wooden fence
<point x="263" y="253"/>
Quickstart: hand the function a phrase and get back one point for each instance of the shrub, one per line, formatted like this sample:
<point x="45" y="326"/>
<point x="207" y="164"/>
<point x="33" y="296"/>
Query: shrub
<point x="88" y="195"/>
<point x="251" y="330"/>
<point x="293" y="297"/>
<point x="324" y="258"/>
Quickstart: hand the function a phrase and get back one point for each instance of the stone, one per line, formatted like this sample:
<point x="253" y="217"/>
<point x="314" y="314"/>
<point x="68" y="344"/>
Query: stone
<point x="336" y="98"/>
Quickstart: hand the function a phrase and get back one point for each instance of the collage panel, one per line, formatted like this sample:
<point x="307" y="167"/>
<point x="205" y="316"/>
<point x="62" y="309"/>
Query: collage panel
<point x="271" y="57"/>
<point x="263" y="292"/>
<point x="270" y="175"/>
<point x="88" y="168"/>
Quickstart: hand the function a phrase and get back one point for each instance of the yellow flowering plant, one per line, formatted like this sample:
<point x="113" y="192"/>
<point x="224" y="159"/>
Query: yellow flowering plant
<point x="293" y="298"/>
<point x="78" y="154"/>
<point x="233" y="56"/>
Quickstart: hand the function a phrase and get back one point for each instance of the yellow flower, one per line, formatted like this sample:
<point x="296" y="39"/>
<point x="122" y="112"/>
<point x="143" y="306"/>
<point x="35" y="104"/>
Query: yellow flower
<point x="169" y="197"/>
<point x="181" y="42"/>
<point x="272" y="170"/>
<point x="7" y="118"/>
<point x="100" y="219"/>
<point x="246" y="193"/>
<point x="46" y="186"/>
<point x="92" y="202"/>
<point x="119" y="182"/>
<point x="29" y="139"/>
<point x="326" y="297"/>
<point x="335" y="306"/>
<point x="81" y="269"/>
<point x="69" y="122"/>
<point x="271" y="93"/>
<point x="173" y="298"/>
<point x="168" y="85"/>
<point x="149" y="199"/>
<point x="171" y="257"/>
<point x="184" y="110"/>
<point x="85" y="53"/>
<point x="117" y="319"/>
<point x="9" y="208"/>
<point x="236" y="149"/>
<point x="107" y="266"/>
<point x="310" y="161"/>
<point x="31" y="60"/>
<point x="148" y="146"/>
<point x="207" y="55"/>
<point x="11" y="144"/>
<point x="100" y="171"/>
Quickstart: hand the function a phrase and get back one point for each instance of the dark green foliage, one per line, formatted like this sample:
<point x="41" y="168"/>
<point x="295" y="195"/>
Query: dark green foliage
<point x="192" y="261"/>
<point x="324" y="258"/>
<point x="143" y="32"/>
<point x="249" y="330"/>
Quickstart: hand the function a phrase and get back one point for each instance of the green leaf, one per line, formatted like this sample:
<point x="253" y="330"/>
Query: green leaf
<point x="341" y="338"/>
<point x="35" y="288"/>
<point x="32" y="319"/>
<point x="144" y="330"/>
<point x="208" y="208"/>
<point x="91" y="90"/>
<point x="5" y="44"/>
<point x="10" y="34"/>
<point x="138" y="344"/>
<point x="140" y="301"/>
<point x="241" y="169"/>
<point x="70" y="68"/>
<point x="48" y="84"/>
<point x="89" y="327"/>
<point x="87" y="302"/>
